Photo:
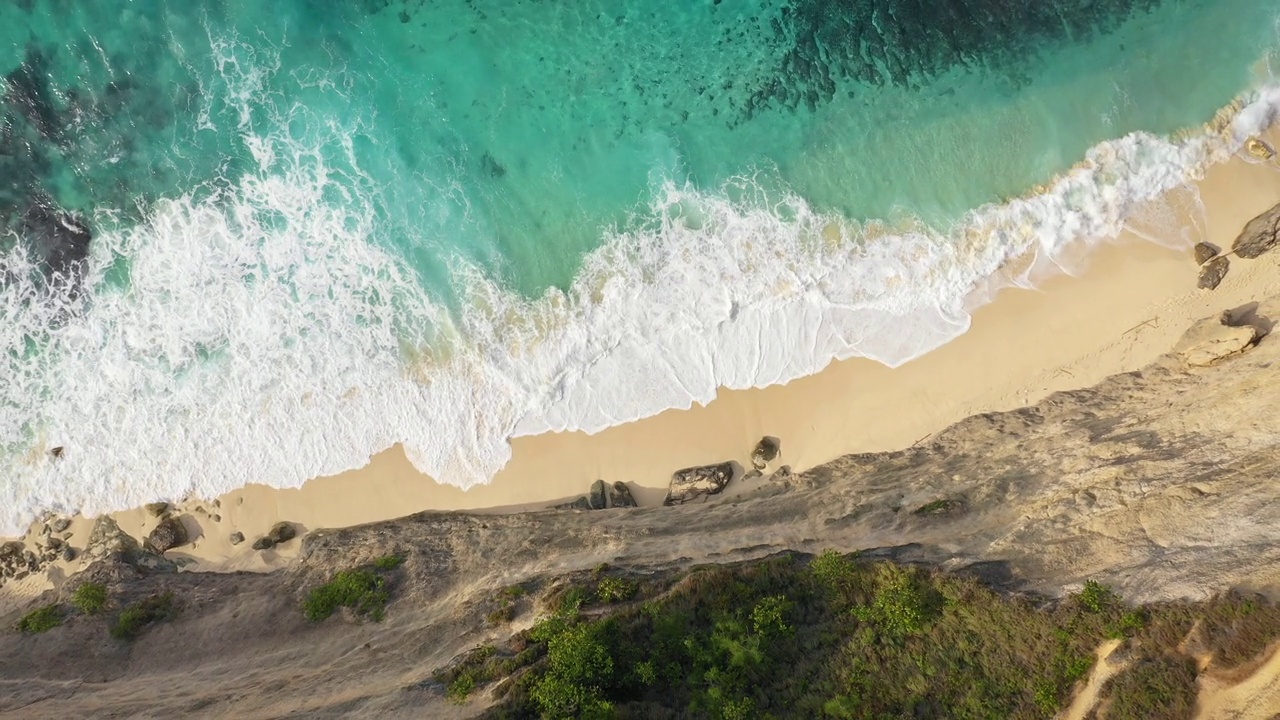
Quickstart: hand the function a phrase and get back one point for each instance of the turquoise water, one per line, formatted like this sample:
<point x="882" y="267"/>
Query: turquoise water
<point x="335" y="226"/>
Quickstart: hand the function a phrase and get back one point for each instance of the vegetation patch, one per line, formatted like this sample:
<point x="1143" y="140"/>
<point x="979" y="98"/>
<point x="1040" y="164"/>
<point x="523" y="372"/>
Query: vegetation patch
<point x="505" y="612"/>
<point x="41" y="619"/>
<point x="365" y="591"/>
<point x="945" y="506"/>
<point x="90" y="598"/>
<point x="839" y="637"/>
<point x="136" y="617"/>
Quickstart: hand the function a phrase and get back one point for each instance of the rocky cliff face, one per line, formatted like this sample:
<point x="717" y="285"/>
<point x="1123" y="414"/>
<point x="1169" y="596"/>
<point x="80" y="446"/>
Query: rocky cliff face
<point x="1160" y="483"/>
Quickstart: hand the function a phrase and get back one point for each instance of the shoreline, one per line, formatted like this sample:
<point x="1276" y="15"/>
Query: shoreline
<point x="1128" y="303"/>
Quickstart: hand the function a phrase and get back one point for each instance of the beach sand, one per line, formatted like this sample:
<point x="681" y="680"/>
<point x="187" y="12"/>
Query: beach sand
<point x="1129" y="303"/>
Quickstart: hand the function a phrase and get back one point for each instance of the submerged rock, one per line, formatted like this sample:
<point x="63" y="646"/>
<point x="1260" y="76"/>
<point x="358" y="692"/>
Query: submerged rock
<point x="766" y="450"/>
<point x="1208" y="341"/>
<point x="698" y="482"/>
<point x="620" y="496"/>
<point x="1258" y="236"/>
<point x="1204" y="252"/>
<point x="170" y="533"/>
<point x="1213" y="272"/>
<point x="597" y="499"/>
<point x="1259" y="148"/>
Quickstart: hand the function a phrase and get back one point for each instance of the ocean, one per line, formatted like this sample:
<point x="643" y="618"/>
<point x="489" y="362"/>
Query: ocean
<point x="246" y="242"/>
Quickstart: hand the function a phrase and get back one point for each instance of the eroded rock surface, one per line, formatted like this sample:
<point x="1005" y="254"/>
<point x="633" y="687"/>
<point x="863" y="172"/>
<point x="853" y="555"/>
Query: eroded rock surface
<point x="698" y="483"/>
<point x="1260" y="235"/>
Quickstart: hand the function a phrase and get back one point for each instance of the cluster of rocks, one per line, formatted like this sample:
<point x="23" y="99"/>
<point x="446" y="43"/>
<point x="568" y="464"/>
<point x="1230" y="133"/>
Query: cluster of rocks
<point x="1259" y="236"/>
<point x="602" y="496"/>
<point x="699" y="483"/>
<point x="169" y="533"/>
<point x="17" y="561"/>
<point x="280" y="533"/>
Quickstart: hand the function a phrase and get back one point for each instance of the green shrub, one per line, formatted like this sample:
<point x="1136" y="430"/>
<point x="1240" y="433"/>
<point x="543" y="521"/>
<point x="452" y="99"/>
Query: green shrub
<point x="388" y="562"/>
<point x="1095" y="596"/>
<point x="90" y="598"/>
<point x="898" y="609"/>
<point x="1162" y="688"/>
<point x="833" y="571"/>
<point x="136" y="617"/>
<point x="41" y="619"/>
<point x="768" y="617"/>
<point x="460" y="689"/>
<point x="363" y="591"/>
<point x="613" y="590"/>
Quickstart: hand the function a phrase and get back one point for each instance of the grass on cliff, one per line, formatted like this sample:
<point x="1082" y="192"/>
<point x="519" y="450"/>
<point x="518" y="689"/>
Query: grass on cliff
<point x="135" y="618"/>
<point x="90" y="598"/>
<point x="41" y="619"/>
<point x="836" y="637"/>
<point x="365" y="591"/>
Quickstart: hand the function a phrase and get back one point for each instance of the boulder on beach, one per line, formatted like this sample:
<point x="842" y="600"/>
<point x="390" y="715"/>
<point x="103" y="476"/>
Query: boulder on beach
<point x="1213" y="272"/>
<point x="620" y="496"/>
<point x="170" y="533"/>
<point x="597" y="498"/>
<point x="263" y="543"/>
<point x="698" y="483"/>
<point x="282" y="532"/>
<point x="766" y="450"/>
<point x="236" y="538"/>
<point x="156" y="509"/>
<point x="1258" y="236"/>
<point x="1204" y="252"/>
<point x="108" y="541"/>
<point x="1209" y="341"/>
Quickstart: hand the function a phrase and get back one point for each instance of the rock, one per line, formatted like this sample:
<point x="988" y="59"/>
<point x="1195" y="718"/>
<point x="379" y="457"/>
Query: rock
<point x="21" y="575"/>
<point x="68" y="553"/>
<point x="282" y="532"/>
<point x="1209" y="340"/>
<point x="236" y="538"/>
<point x="766" y="450"/>
<point x="752" y="475"/>
<point x="60" y="524"/>
<point x="11" y="550"/>
<point x="263" y="543"/>
<point x="620" y="496"/>
<point x="1213" y="272"/>
<point x="580" y="504"/>
<point x="156" y="509"/>
<point x="55" y="543"/>
<point x="1259" y="235"/>
<point x="597" y="498"/>
<point x="1204" y="252"/>
<point x="698" y="482"/>
<point x="783" y="473"/>
<point x="56" y="453"/>
<point x="170" y="533"/>
<point x="107" y="541"/>
<point x="1259" y="148"/>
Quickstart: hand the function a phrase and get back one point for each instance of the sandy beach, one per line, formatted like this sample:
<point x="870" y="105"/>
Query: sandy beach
<point x="1128" y="304"/>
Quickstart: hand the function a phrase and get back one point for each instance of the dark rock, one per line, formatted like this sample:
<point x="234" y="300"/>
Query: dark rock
<point x="156" y="509"/>
<point x="236" y="538"/>
<point x="60" y="524"/>
<point x="170" y="533"/>
<point x="1213" y="272"/>
<point x="620" y="496"/>
<point x="1259" y="235"/>
<point x="766" y="450"/>
<point x="11" y="550"/>
<point x="1204" y="252"/>
<point x="108" y="541"/>
<point x="21" y="575"/>
<point x="597" y="498"/>
<point x="57" y="452"/>
<point x="698" y="482"/>
<point x="752" y="475"/>
<point x="282" y="532"/>
<point x="55" y="543"/>
<point x="69" y="553"/>
<point x="263" y="543"/>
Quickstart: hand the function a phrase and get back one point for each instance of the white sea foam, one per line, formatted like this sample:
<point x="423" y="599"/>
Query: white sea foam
<point x="248" y="350"/>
